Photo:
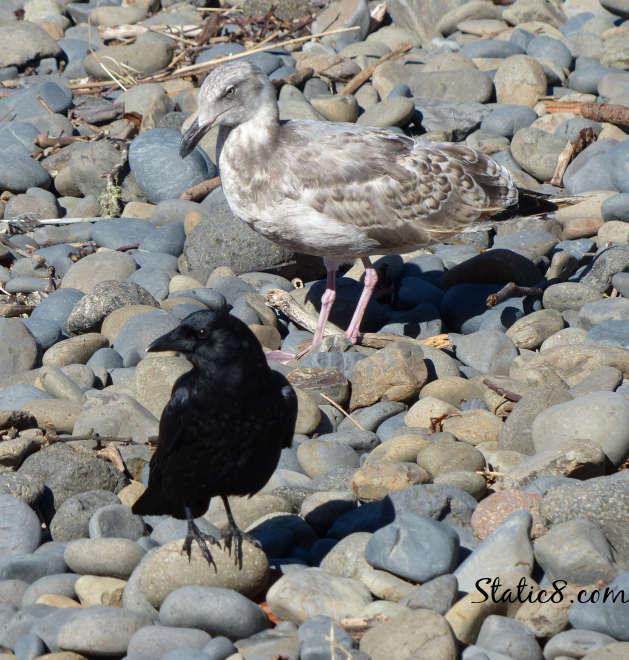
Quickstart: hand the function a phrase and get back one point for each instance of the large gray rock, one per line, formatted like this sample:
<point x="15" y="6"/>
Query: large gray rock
<point x="213" y="609"/>
<point x="103" y="299"/>
<point x="91" y="163"/>
<point x="18" y="348"/>
<point x="421" y="17"/>
<point x="601" y="417"/>
<point x="516" y="432"/>
<point x="603" y="500"/>
<point x="224" y="240"/>
<point x="506" y="550"/>
<point x="464" y="85"/>
<point x="98" y="630"/>
<point x="24" y="42"/>
<point x="86" y="273"/>
<point x="20" y="532"/>
<point x="302" y="594"/>
<point x="157" y="151"/>
<point x="115" y="414"/>
<point x="67" y="472"/>
<point x="414" y="547"/>
<point x="415" y="634"/>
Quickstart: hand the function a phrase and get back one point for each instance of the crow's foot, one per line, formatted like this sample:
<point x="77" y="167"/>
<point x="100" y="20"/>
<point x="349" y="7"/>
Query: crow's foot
<point x="195" y="534"/>
<point x="236" y="537"/>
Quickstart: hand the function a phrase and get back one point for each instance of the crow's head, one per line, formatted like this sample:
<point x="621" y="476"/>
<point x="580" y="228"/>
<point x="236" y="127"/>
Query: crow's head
<point x="212" y="336"/>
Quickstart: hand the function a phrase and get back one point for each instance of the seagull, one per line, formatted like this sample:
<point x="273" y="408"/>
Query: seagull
<point x="337" y="190"/>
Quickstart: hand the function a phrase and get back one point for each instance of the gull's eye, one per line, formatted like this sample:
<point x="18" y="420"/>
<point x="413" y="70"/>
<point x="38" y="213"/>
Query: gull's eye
<point x="202" y="333"/>
<point x="230" y="91"/>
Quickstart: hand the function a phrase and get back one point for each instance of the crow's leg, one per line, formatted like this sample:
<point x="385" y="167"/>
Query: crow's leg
<point x="235" y="535"/>
<point x="195" y="534"/>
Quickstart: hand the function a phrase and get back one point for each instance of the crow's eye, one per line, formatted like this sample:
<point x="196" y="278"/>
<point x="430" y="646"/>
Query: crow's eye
<point x="230" y="91"/>
<point x="202" y="333"/>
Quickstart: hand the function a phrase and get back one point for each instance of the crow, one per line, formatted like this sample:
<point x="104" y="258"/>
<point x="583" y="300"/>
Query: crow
<point x="223" y="429"/>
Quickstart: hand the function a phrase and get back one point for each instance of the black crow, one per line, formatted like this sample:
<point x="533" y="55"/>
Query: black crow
<point x="223" y="429"/>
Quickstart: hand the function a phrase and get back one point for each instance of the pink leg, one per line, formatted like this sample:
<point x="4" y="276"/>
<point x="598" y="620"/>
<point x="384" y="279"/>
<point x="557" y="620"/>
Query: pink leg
<point x="371" y="279"/>
<point x="327" y="301"/>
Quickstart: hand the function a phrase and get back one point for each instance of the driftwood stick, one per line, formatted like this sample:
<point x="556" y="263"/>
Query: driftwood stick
<point x="381" y="339"/>
<point x="100" y="114"/>
<point x="366" y="73"/>
<point x="99" y="439"/>
<point x="15" y="309"/>
<point x="45" y="105"/>
<point x="112" y="453"/>
<point x="132" y="31"/>
<point x="201" y="189"/>
<point x="44" y="141"/>
<point x="586" y="137"/>
<point x="357" y="627"/>
<point x="607" y="112"/>
<point x="285" y="303"/>
<point x="562" y="163"/>
<point x="512" y="289"/>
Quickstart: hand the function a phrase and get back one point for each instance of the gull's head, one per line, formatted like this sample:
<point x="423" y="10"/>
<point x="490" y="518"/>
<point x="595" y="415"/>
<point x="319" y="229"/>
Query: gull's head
<point x="230" y="95"/>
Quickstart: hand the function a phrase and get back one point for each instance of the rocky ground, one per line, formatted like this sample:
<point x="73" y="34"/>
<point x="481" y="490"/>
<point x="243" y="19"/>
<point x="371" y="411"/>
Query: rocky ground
<point x="495" y="453"/>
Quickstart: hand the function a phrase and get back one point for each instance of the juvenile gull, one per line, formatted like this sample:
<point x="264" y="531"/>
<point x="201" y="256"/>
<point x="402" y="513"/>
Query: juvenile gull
<point x="336" y="190"/>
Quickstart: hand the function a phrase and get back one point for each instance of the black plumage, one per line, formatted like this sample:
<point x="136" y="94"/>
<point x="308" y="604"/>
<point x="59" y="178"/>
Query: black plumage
<point x="224" y="427"/>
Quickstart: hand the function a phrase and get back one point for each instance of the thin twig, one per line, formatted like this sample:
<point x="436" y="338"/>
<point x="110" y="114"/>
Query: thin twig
<point x="52" y="438"/>
<point x="201" y="189"/>
<point x="510" y="396"/>
<point x="339" y="408"/>
<point x="207" y="66"/>
<point x="13" y="246"/>
<point x="296" y="78"/>
<point x="366" y="73"/>
<point x="46" y="106"/>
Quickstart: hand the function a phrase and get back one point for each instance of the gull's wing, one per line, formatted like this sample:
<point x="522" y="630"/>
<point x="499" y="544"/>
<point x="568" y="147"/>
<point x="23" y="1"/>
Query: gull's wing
<point x="398" y="191"/>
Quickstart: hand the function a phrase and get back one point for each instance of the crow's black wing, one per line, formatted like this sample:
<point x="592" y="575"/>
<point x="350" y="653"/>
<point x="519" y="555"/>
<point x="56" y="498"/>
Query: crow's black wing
<point x="288" y="402"/>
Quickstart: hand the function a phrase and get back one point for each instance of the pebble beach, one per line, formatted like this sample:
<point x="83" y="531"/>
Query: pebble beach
<point x="457" y="485"/>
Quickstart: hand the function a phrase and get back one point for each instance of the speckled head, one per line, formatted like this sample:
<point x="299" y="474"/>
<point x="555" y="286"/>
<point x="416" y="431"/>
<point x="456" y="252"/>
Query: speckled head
<point x="231" y="95"/>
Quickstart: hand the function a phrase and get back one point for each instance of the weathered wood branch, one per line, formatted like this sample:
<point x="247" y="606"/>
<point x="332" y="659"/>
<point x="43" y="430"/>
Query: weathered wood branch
<point x="201" y="189"/>
<point x="607" y="112"/>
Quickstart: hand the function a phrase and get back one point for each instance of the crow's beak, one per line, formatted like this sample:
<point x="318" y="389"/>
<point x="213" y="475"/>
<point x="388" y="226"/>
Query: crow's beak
<point x="192" y="137"/>
<point x="175" y="340"/>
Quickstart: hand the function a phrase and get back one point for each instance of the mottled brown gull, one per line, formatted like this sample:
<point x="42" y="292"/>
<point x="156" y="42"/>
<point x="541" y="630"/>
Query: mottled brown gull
<point x="336" y="190"/>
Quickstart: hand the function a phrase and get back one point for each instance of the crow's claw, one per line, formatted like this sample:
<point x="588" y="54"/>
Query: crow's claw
<point x="195" y="534"/>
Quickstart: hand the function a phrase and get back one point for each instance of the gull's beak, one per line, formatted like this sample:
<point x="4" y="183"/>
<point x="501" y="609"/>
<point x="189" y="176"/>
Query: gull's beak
<point x="177" y="339"/>
<point x="192" y="137"/>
